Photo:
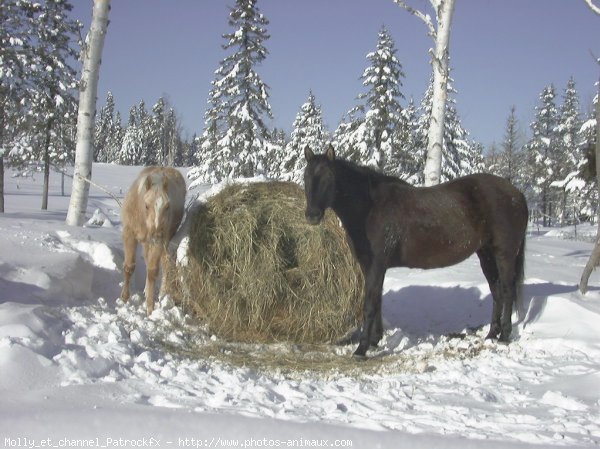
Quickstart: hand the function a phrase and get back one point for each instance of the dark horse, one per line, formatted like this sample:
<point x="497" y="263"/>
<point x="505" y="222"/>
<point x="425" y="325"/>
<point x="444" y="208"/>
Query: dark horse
<point x="393" y="224"/>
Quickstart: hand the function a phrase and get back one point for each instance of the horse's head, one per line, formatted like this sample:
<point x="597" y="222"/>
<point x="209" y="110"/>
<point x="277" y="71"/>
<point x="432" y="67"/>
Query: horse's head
<point x="319" y="184"/>
<point x="156" y="202"/>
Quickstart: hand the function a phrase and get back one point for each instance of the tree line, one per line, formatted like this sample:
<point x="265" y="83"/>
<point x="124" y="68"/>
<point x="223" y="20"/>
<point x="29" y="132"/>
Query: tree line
<point x="383" y="130"/>
<point x="554" y="166"/>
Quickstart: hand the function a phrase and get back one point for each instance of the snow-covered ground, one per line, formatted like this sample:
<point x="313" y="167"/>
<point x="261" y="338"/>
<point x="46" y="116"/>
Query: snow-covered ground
<point x="76" y="364"/>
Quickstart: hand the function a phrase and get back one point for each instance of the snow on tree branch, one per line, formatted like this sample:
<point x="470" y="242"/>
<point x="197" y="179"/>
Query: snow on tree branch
<point x="593" y="7"/>
<point x="426" y="18"/>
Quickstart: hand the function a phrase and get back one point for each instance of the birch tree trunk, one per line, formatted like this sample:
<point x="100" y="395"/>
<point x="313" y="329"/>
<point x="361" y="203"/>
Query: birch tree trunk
<point x="439" y="62"/>
<point x="595" y="256"/>
<point x="88" y="89"/>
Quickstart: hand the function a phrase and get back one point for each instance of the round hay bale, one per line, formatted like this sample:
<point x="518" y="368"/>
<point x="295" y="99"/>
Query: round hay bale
<point x="257" y="272"/>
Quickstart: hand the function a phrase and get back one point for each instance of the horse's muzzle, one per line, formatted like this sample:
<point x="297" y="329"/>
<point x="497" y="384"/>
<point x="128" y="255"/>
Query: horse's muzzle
<point x="314" y="217"/>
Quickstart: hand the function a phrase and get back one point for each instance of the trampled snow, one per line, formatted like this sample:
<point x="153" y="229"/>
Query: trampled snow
<point x="77" y="364"/>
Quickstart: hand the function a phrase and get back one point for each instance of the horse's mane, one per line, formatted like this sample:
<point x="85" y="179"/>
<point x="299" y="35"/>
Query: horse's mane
<point x="371" y="175"/>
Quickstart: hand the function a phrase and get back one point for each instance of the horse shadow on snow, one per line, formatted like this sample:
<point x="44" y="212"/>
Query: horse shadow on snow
<point x="424" y="311"/>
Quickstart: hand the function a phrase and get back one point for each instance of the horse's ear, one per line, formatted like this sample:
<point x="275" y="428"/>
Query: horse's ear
<point x="330" y="153"/>
<point x="144" y="184"/>
<point x="308" y="153"/>
<point x="148" y="183"/>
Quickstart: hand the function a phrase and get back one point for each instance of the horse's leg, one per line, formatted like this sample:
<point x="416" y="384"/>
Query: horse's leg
<point x="490" y="271"/>
<point x="508" y="276"/>
<point x="377" y="331"/>
<point x="130" y="246"/>
<point x="152" y="254"/>
<point x="164" y="260"/>
<point x="371" y="307"/>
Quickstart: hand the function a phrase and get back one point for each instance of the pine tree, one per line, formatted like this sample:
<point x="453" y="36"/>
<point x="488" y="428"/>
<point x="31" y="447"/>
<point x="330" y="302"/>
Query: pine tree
<point x="541" y="151"/>
<point x="105" y="124"/>
<point x="346" y="137"/>
<point x="131" y="151"/>
<point x="510" y="159"/>
<point x="308" y="131"/>
<point x="569" y="149"/>
<point x="404" y="160"/>
<point x="16" y="57"/>
<point x="381" y="114"/>
<point x="240" y="101"/>
<point x="51" y="95"/>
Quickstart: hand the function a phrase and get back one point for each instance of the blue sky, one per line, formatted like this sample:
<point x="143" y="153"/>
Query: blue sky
<point x="503" y="53"/>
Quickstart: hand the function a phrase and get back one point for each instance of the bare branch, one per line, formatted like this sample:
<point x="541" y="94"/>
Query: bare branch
<point x="593" y="7"/>
<point x="424" y="17"/>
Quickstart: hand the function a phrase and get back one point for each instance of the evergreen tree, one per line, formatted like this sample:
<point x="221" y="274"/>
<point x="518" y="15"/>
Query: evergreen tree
<point x="158" y="133"/>
<point x="240" y="101"/>
<point x="541" y="152"/>
<point x="105" y="126"/>
<point x="50" y="97"/>
<point x="510" y="160"/>
<point x="381" y="114"/>
<point x="15" y="57"/>
<point x="207" y="162"/>
<point x="403" y="160"/>
<point x="569" y="124"/>
<point x="346" y="137"/>
<point x="308" y="131"/>
<point x="131" y="151"/>
<point x="115" y="140"/>
<point x="570" y="149"/>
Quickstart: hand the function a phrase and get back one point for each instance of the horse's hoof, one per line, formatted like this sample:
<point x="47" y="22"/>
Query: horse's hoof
<point x="359" y="357"/>
<point x="492" y="335"/>
<point x="360" y="353"/>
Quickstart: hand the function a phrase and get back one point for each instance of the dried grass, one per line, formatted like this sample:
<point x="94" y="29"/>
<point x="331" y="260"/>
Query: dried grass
<point x="257" y="272"/>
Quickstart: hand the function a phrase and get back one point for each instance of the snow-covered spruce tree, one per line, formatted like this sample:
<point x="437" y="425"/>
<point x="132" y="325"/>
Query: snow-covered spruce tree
<point x="242" y="101"/>
<point x="346" y="138"/>
<point x="207" y="165"/>
<point x="404" y="160"/>
<point x="383" y="116"/>
<point x="115" y="140"/>
<point x="570" y="151"/>
<point x="380" y="113"/>
<point x="157" y="134"/>
<point x="308" y="131"/>
<point x="541" y="154"/>
<point x="52" y="93"/>
<point x="104" y="129"/>
<point x="509" y="160"/>
<point x="441" y="73"/>
<point x="16" y="58"/>
<point x="132" y="146"/>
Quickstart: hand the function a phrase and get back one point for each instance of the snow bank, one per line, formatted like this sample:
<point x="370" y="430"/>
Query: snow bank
<point x="77" y="363"/>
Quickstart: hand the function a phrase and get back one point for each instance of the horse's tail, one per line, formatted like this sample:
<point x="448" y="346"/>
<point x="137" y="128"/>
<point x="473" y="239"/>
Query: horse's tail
<point x="520" y="277"/>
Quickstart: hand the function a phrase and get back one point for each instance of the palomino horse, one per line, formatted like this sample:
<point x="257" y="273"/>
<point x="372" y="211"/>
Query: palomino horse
<point x="151" y="213"/>
<point x="393" y="224"/>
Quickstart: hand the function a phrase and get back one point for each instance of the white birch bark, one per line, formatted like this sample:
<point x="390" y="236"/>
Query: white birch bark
<point x="88" y="89"/>
<point x="439" y="62"/>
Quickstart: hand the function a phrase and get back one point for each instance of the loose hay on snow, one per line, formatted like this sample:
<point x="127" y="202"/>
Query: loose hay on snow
<point x="257" y="272"/>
